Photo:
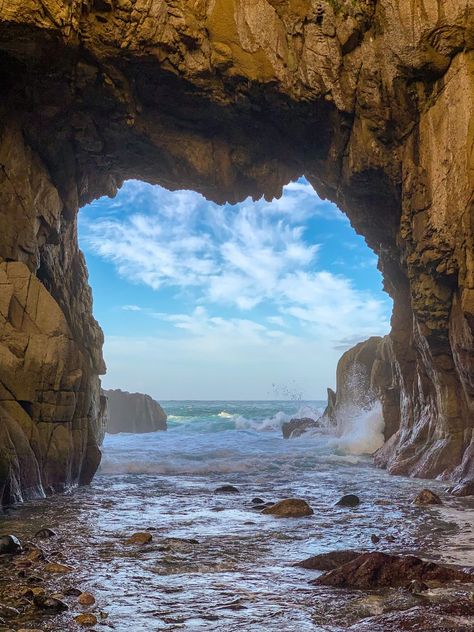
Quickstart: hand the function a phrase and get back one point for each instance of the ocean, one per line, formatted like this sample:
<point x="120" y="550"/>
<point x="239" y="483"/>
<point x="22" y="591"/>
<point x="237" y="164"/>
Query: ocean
<point x="215" y="562"/>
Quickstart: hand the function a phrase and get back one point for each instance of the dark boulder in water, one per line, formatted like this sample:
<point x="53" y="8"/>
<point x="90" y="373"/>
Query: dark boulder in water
<point x="447" y="616"/>
<point x="297" y="427"/>
<point x="349" y="500"/>
<point x="329" y="561"/>
<point x="133" y="412"/>
<point x="10" y="544"/>
<point x="226" y="489"/>
<point x="381" y="570"/>
<point x="258" y="501"/>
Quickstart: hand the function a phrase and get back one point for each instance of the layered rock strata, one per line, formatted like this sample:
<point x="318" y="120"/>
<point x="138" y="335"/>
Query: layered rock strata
<point x="133" y="412"/>
<point x="371" y="100"/>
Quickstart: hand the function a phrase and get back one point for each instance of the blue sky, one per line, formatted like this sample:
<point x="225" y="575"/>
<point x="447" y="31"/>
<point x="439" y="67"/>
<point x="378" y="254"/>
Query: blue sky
<point x="252" y="301"/>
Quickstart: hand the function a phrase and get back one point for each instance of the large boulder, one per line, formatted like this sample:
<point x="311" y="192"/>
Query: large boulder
<point x="133" y="412"/>
<point x="365" y="375"/>
<point x="381" y="570"/>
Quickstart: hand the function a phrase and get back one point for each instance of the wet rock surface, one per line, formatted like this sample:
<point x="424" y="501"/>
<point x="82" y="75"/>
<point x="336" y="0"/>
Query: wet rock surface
<point x="381" y="570"/>
<point x="348" y="500"/>
<point x="297" y="427"/>
<point x="231" y="570"/>
<point x="427" y="497"/>
<point x="372" y="101"/>
<point x="329" y="561"/>
<point x="289" y="508"/>
<point x="465" y="488"/>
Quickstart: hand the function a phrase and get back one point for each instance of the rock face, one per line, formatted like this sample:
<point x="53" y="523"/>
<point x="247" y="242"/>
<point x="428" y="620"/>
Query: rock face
<point x="297" y="427"/>
<point x="381" y="570"/>
<point x="365" y="373"/>
<point x="133" y="412"/>
<point x="371" y="100"/>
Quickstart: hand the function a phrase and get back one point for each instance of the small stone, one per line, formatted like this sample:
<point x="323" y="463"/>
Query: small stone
<point x="54" y="567"/>
<point x="427" y="497"/>
<point x="349" y="500"/>
<point x="86" y="599"/>
<point x="35" y="555"/>
<point x="8" y="612"/>
<point x="49" y="603"/>
<point x="226" y="489"/>
<point x="416" y="586"/>
<point x="45" y="533"/>
<point x="70" y="591"/>
<point x="86" y="619"/>
<point x="289" y="508"/>
<point x="375" y="538"/>
<point x="10" y="544"/>
<point x="258" y="501"/>
<point x="140" y="537"/>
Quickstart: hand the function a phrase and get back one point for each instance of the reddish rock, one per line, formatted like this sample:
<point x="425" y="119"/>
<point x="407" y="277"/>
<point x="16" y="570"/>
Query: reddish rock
<point x="329" y="561"/>
<point x="381" y="570"/>
<point x="140" y="538"/>
<point x="443" y="617"/>
<point x="427" y="497"/>
<point x="289" y="508"/>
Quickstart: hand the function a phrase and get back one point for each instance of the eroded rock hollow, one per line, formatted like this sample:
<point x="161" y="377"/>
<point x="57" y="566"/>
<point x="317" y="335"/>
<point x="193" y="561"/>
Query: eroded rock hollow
<point x="372" y="100"/>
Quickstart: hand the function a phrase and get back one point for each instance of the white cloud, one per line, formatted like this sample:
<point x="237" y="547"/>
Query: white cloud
<point x="234" y="257"/>
<point x="131" y="308"/>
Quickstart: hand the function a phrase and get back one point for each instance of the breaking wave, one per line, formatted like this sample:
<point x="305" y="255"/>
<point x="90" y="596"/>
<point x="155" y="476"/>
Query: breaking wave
<point x="207" y="437"/>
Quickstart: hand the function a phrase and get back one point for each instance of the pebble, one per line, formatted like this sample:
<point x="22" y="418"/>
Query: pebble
<point x="86" y="599"/>
<point x="375" y="538"/>
<point x="8" y="612"/>
<point x="427" y="497"/>
<point x="54" y="567"/>
<point x="140" y="538"/>
<point x="86" y="619"/>
<point x="349" y="500"/>
<point x="45" y="533"/>
<point x="50" y="603"/>
<point x="10" y="544"/>
<point x="226" y="489"/>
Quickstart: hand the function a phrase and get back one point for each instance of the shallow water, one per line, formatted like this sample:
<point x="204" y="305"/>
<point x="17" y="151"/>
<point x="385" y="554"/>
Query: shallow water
<point x="237" y="574"/>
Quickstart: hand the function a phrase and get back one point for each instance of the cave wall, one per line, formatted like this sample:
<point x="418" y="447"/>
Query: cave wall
<point x="371" y="100"/>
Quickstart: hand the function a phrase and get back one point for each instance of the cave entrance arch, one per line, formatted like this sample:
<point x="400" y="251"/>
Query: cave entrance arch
<point x="253" y="289"/>
<point x="371" y="100"/>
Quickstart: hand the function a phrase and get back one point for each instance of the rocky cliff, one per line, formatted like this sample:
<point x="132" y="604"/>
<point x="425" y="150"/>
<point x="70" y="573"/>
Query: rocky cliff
<point x="133" y="412"/>
<point x="371" y="99"/>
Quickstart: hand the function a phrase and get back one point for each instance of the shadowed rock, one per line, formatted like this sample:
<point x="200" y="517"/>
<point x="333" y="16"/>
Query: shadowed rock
<point x="329" y="561"/>
<point x="465" y="488"/>
<point x="349" y="500"/>
<point x="297" y="427"/>
<point x="133" y="412"/>
<point x="381" y="570"/>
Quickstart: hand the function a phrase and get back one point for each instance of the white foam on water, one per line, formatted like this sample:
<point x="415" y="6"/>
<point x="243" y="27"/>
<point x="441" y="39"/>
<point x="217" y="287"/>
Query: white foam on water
<point x="361" y="431"/>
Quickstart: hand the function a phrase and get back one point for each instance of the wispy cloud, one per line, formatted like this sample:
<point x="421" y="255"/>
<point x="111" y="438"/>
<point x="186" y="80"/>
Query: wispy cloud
<point x="233" y="257"/>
